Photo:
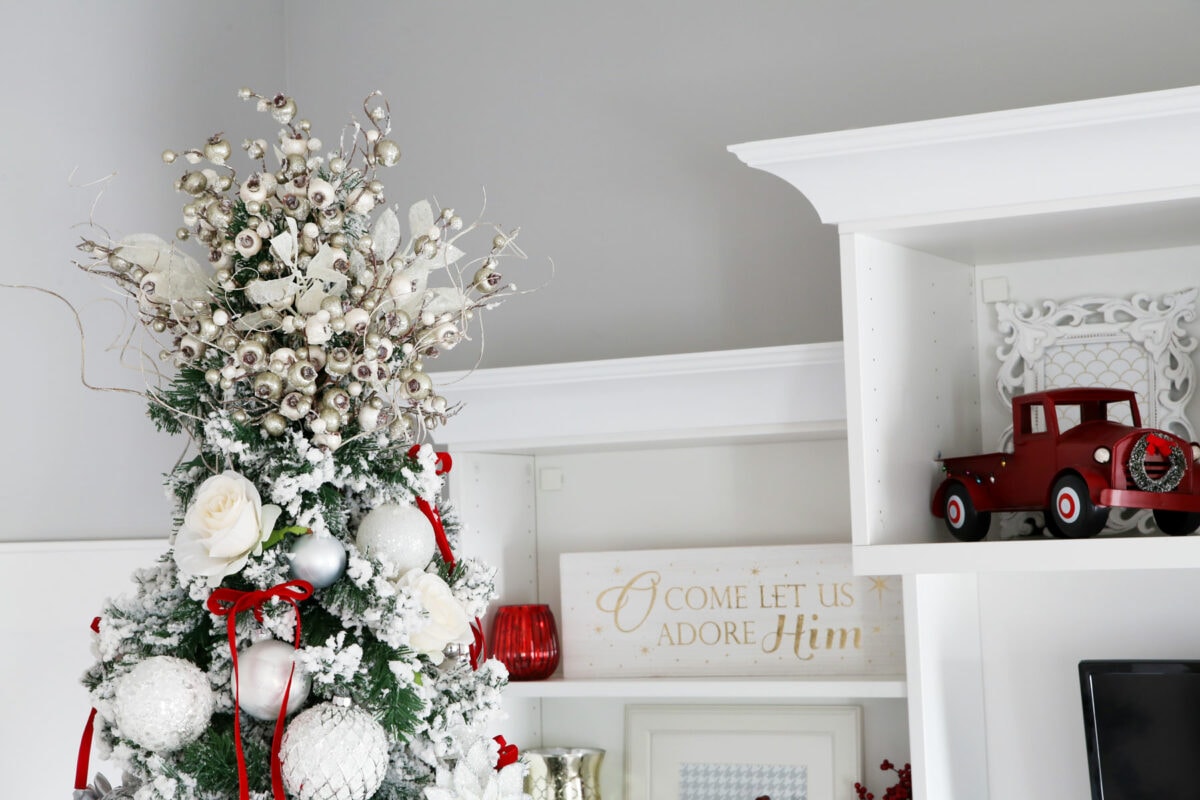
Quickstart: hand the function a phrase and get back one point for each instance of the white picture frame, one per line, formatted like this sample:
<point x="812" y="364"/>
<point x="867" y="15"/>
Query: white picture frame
<point x="1050" y="345"/>
<point x="817" y="750"/>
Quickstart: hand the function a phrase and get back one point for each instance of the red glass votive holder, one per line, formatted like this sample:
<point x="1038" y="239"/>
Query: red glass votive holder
<point x="525" y="640"/>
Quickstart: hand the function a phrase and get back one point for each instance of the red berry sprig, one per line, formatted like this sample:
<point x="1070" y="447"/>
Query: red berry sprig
<point x="901" y="790"/>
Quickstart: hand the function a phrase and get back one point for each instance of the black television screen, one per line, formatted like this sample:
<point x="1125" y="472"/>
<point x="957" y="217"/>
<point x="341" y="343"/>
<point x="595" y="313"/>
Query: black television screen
<point x="1142" y="720"/>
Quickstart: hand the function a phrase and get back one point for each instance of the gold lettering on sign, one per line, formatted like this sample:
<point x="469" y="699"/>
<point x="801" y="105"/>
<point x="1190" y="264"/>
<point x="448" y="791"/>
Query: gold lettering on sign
<point x="778" y="595"/>
<point x="682" y="634"/>
<point x="704" y="598"/>
<point x="640" y="591"/>
<point x="808" y="639"/>
<point x="833" y="595"/>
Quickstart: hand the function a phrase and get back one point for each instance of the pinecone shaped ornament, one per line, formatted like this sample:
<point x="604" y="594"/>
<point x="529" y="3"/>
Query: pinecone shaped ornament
<point x="333" y="751"/>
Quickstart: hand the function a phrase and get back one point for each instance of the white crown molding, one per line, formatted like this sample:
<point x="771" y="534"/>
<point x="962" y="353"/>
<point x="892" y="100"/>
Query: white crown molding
<point x="794" y="391"/>
<point x="714" y="362"/>
<point x="997" y="164"/>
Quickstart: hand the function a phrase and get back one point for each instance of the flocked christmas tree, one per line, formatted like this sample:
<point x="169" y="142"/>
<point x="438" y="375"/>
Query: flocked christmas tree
<point x="311" y="632"/>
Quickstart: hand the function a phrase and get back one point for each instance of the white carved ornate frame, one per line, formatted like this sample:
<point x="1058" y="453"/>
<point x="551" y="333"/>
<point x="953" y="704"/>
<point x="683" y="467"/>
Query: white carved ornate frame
<point x="1154" y="326"/>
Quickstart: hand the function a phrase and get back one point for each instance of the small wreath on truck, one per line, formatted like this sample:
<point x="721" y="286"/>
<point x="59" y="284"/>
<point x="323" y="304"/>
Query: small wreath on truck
<point x="1137" y="464"/>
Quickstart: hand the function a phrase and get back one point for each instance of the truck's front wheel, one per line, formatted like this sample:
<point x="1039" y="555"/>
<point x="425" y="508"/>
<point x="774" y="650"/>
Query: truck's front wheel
<point x="1072" y="511"/>
<point x="962" y="520"/>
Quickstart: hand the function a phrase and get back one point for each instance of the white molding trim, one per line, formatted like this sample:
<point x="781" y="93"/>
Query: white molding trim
<point x="792" y="391"/>
<point x="983" y="166"/>
<point x="923" y="133"/>
<point x="714" y="362"/>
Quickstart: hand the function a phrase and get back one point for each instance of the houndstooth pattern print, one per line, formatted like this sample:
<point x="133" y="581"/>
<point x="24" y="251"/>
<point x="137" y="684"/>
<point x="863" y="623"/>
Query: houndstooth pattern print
<point x="742" y="781"/>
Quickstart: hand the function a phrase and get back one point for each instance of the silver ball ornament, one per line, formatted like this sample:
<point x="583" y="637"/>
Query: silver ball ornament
<point x="263" y="670"/>
<point x="163" y="703"/>
<point x="320" y="560"/>
<point x="399" y="536"/>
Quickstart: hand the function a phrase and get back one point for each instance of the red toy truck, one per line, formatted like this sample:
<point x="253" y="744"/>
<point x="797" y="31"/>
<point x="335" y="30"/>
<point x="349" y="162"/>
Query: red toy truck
<point x="1073" y="461"/>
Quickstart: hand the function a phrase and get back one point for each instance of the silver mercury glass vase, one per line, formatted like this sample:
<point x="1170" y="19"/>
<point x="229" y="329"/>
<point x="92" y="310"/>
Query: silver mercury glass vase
<point x="563" y="773"/>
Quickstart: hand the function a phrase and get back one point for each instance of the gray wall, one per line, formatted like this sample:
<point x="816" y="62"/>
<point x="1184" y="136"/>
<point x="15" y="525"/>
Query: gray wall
<point x="600" y="129"/>
<point x="91" y="88"/>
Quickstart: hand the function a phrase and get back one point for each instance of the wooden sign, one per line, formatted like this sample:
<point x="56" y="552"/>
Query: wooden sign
<point x="745" y="611"/>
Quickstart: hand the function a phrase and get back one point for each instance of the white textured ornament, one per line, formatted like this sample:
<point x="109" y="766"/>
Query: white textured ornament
<point x="263" y="670"/>
<point x="320" y="560"/>
<point x="333" y="752"/>
<point x="400" y="536"/>
<point x="164" y="703"/>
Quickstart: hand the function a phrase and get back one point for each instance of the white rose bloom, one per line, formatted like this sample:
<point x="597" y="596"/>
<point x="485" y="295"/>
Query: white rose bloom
<point x="225" y="523"/>
<point x="446" y="622"/>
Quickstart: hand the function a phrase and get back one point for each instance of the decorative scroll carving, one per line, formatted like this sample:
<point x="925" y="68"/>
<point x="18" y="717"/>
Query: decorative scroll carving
<point x="1140" y="343"/>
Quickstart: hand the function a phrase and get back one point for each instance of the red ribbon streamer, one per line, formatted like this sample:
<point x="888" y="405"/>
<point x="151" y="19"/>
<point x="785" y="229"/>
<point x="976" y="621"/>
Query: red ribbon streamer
<point x="85" y="742"/>
<point x="85" y="752"/>
<point x="444" y="463"/>
<point x="478" y="648"/>
<point x="228" y="603"/>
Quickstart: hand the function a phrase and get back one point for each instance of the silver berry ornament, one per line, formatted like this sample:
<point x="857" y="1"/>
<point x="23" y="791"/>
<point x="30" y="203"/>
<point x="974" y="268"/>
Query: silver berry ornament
<point x="268" y="386"/>
<point x="283" y="109"/>
<point x="191" y="348"/>
<point x="274" y="424"/>
<point x="487" y="279"/>
<point x="194" y="183"/>
<point x="302" y="374"/>
<point x="251" y="355"/>
<point x="248" y="243"/>
<point x="294" y="406"/>
<point x="416" y="385"/>
<point x="216" y="149"/>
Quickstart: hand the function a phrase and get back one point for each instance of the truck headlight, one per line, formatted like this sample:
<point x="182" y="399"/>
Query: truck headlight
<point x="1103" y="455"/>
<point x="1196" y="452"/>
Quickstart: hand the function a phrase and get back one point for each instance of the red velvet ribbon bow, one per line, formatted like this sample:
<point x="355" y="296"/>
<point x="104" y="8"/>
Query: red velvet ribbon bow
<point x="444" y="463"/>
<point x="1156" y="445"/>
<point x="228" y="603"/>
<point x="508" y="753"/>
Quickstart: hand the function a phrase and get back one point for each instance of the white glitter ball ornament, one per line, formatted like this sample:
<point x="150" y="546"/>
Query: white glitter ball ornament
<point x="400" y="536"/>
<point x="262" y="677"/>
<point x="333" y="751"/>
<point x="164" y="703"/>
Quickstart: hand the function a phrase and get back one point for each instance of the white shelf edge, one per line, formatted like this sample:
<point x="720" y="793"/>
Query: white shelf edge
<point x="1030" y="555"/>
<point x="633" y="440"/>
<point x="787" y="392"/>
<point x="710" y="688"/>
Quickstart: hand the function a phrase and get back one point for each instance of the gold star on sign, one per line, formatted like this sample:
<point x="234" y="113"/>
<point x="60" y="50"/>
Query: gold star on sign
<point x="599" y="629"/>
<point x="645" y="651"/>
<point x="879" y="585"/>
